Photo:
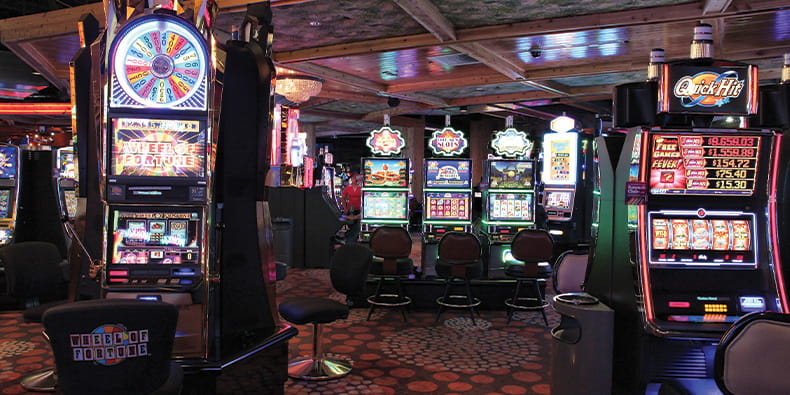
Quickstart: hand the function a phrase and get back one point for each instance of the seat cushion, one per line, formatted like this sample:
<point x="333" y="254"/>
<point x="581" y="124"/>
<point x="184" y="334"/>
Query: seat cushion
<point x="519" y="270"/>
<point x="446" y="269"/>
<point x="308" y="310"/>
<point x="404" y="267"/>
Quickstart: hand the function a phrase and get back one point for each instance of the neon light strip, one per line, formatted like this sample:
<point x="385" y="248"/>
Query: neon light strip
<point x="642" y="232"/>
<point x="772" y="225"/>
<point x="35" y="108"/>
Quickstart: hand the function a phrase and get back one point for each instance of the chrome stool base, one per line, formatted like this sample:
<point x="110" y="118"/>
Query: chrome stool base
<point x="317" y="369"/>
<point x="43" y="381"/>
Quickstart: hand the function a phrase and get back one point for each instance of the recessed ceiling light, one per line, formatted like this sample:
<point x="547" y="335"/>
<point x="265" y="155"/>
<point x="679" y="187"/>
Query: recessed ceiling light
<point x="315" y="23"/>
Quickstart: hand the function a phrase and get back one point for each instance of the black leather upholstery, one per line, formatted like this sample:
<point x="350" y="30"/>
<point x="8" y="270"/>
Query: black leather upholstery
<point x="113" y="346"/>
<point x="459" y="262"/>
<point x="530" y="247"/>
<point x="302" y="311"/>
<point x="391" y="246"/>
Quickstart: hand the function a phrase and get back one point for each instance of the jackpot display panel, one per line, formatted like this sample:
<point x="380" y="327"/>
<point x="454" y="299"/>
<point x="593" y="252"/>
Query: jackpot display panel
<point x="385" y="194"/>
<point x="9" y="191"/>
<point x="702" y="264"/>
<point x="508" y="206"/>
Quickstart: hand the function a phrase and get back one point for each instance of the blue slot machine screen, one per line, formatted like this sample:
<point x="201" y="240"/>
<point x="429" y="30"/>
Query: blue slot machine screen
<point x="142" y="236"/>
<point x="8" y="162"/>
<point x="510" y="174"/>
<point x="5" y="203"/>
<point x="445" y="173"/>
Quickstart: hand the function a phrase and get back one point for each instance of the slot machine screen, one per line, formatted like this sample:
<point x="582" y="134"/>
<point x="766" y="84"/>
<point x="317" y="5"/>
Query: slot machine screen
<point x="448" y="206"/>
<point x="446" y="173"/>
<point x="146" y="236"/>
<point x="717" y="239"/>
<point x="509" y="174"/>
<point x="5" y="203"/>
<point x="8" y="162"/>
<point x="158" y="148"/>
<point x="385" y="204"/>
<point x="703" y="165"/>
<point x="510" y="207"/>
<point x="66" y="164"/>
<point x="562" y="200"/>
<point x="560" y="158"/>
<point x="381" y="172"/>
<point x="70" y="200"/>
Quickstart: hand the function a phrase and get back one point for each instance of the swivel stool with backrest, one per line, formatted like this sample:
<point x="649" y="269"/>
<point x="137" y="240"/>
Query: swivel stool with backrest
<point x="348" y="272"/>
<point x="35" y="280"/>
<point x="391" y="246"/>
<point x="114" y="346"/>
<point x="570" y="271"/>
<point x="533" y="248"/>
<point x="458" y="263"/>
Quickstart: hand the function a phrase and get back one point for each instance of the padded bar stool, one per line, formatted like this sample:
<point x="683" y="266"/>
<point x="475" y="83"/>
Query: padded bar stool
<point x="570" y="271"/>
<point x="349" y="269"/>
<point x="458" y="263"/>
<point x="391" y="246"/>
<point x="531" y="247"/>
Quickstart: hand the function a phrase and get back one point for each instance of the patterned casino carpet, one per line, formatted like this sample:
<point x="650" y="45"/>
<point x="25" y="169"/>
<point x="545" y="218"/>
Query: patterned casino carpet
<point x="390" y="356"/>
<point x="421" y="357"/>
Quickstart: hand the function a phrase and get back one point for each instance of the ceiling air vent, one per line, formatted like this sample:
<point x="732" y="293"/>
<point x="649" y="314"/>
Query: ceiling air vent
<point x="456" y="59"/>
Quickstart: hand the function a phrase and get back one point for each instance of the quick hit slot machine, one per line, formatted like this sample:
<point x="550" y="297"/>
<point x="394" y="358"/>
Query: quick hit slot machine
<point x="508" y="207"/>
<point x="447" y="205"/>
<point x="696" y="205"/>
<point x="9" y="191"/>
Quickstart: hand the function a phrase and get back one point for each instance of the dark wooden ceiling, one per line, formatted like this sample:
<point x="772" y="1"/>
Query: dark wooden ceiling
<point x="460" y="56"/>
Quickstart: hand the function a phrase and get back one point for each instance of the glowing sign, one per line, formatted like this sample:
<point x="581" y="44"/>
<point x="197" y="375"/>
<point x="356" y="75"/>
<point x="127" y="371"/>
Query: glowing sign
<point x="560" y="160"/>
<point x="385" y="141"/>
<point x="159" y="61"/>
<point x="687" y="88"/>
<point x="158" y="147"/>
<point x="511" y="143"/>
<point x="447" y="142"/>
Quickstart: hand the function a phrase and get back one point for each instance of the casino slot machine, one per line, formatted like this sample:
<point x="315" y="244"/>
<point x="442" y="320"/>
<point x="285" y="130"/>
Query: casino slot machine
<point x="385" y="182"/>
<point x="447" y="205"/>
<point x="66" y="180"/>
<point x="9" y="191"/>
<point x="508" y="207"/>
<point x="694" y="202"/>
<point x="174" y="229"/>
<point x="566" y="178"/>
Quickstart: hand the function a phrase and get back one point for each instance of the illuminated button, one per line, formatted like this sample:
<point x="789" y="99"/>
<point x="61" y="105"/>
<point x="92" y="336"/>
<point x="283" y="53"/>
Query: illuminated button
<point x="161" y="281"/>
<point x="714" y="318"/>
<point x="679" y="305"/>
<point x="715" y="308"/>
<point x="119" y="280"/>
<point x="114" y="273"/>
<point x="186" y="282"/>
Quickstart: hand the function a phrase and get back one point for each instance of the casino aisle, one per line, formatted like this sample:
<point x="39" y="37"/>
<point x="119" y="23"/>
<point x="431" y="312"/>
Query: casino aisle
<point x="390" y="356"/>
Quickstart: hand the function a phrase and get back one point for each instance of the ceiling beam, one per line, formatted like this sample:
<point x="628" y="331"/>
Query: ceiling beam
<point x="39" y="62"/>
<point x="491" y="59"/>
<point x="526" y="111"/>
<point x="645" y="16"/>
<point x="429" y="16"/>
<point x="715" y="6"/>
<point x="47" y="24"/>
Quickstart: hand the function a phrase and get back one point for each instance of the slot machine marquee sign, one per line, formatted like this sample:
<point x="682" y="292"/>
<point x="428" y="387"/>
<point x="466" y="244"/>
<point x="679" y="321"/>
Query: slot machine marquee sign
<point x="694" y="89"/>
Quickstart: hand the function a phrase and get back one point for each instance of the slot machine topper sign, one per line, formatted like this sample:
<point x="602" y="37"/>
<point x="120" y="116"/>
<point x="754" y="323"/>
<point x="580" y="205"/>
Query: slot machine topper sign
<point x="385" y="141"/>
<point x="447" y="142"/>
<point x="511" y="143"/>
<point x="694" y="89"/>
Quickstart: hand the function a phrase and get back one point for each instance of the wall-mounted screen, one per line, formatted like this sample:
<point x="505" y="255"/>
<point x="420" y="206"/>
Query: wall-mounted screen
<point x="6" y="205"/>
<point x="448" y="206"/>
<point x="8" y="161"/>
<point x="511" y="174"/>
<point x="447" y="173"/>
<point x="385" y="172"/>
<point x="158" y="148"/>
<point x="385" y="204"/>
<point x="715" y="239"/>
<point x="150" y="236"/>
<point x="510" y="207"/>
<point x="703" y="165"/>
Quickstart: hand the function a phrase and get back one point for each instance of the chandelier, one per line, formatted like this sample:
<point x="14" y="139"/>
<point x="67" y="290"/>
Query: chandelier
<point x="297" y="88"/>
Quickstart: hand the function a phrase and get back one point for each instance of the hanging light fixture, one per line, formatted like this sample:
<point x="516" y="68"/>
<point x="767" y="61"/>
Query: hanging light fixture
<point x="297" y="88"/>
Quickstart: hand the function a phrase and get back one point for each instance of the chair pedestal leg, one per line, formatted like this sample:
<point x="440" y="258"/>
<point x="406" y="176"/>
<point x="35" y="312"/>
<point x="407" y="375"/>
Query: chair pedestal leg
<point x="317" y="367"/>
<point x="43" y="381"/>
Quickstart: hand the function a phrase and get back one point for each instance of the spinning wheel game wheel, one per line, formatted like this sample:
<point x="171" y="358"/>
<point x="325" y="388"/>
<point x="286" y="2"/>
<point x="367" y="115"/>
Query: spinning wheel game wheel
<point x="160" y="62"/>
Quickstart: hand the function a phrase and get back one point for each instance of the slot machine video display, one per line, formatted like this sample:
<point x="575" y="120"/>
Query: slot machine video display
<point x="66" y="181"/>
<point x="385" y="194"/>
<point x="447" y="204"/>
<point x="508" y="206"/>
<point x="9" y="191"/>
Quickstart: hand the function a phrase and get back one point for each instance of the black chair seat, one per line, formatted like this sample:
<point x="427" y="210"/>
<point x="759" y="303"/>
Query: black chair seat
<point x="404" y="267"/>
<point x="459" y="270"/>
<point x="518" y="270"/>
<point x="35" y="313"/>
<point x="308" y="310"/>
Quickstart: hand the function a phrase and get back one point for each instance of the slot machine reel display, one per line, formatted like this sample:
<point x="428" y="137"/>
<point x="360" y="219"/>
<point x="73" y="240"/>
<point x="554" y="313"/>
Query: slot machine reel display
<point x="66" y="181"/>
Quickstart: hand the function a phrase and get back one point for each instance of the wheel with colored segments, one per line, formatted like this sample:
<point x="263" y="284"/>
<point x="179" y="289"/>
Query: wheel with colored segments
<point x="159" y="61"/>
